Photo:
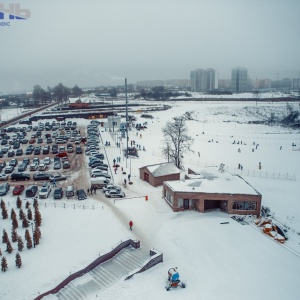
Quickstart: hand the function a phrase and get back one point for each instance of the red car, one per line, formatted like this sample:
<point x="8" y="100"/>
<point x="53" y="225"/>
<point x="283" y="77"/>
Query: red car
<point x="18" y="189"/>
<point x="31" y="141"/>
<point x="62" y="154"/>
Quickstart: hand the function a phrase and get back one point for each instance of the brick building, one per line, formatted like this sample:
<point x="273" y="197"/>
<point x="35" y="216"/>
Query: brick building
<point x="158" y="173"/>
<point x="212" y="189"/>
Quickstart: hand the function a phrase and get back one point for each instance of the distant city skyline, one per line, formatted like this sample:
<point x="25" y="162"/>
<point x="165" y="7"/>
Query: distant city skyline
<point x="93" y="43"/>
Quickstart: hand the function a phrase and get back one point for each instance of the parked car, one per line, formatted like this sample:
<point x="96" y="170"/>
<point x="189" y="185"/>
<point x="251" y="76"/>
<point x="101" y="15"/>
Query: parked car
<point x="36" y="160"/>
<point x="19" y="152"/>
<point x="4" y="188"/>
<point x="100" y="174"/>
<point x="95" y="161"/>
<point x="57" y="177"/>
<point x="60" y="141"/>
<point x="66" y="165"/>
<point x="62" y="154"/>
<point x="45" y="190"/>
<point x="22" y="167"/>
<point x="46" y="150"/>
<point x="58" y="193"/>
<point x="31" y="191"/>
<point x="18" y="189"/>
<point x="9" y="169"/>
<point x="99" y="155"/>
<point x="34" y="166"/>
<point x="42" y="167"/>
<point x="28" y="151"/>
<point x="19" y="176"/>
<point x="37" y="151"/>
<point x="70" y="191"/>
<point x="26" y="160"/>
<point x="78" y="150"/>
<point x="13" y="162"/>
<point x="70" y="148"/>
<point x="41" y="176"/>
<point x="11" y="153"/>
<point x="99" y="167"/>
<point x="3" y="177"/>
<point x="81" y="195"/>
<point x="57" y="165"/>
<point x="47" y="161"/>
<point x="114" y="194"/>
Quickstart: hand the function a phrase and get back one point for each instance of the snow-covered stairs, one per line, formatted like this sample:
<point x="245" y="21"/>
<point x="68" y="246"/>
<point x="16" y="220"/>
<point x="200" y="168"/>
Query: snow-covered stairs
<point x="104" y="275"/>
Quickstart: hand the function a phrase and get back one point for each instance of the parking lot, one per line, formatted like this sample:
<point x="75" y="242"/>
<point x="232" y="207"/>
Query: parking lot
<point x="16" y="158"/>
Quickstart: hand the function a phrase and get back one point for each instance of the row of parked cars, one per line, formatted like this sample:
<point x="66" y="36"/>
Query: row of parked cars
<point x="34" y="165"/>
<point x="43" y="192"/>
<point x="98" y="168"/>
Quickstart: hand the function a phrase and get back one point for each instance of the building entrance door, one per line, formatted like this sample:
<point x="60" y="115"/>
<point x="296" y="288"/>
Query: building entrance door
<point x="186" y="205"/>
<point x="146" y="177"/>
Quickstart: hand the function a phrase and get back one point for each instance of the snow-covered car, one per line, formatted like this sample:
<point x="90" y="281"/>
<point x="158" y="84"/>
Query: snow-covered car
<point x="3" y="177"/>
<point x="114" y="194"/>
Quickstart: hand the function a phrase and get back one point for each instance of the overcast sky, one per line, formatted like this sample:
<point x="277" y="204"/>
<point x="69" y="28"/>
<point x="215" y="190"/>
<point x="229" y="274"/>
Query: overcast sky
<point x="99" y="42"/>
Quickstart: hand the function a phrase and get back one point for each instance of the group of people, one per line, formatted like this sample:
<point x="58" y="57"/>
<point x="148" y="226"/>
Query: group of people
<point x="118" y="159"/>
<point x="91" y="190"/>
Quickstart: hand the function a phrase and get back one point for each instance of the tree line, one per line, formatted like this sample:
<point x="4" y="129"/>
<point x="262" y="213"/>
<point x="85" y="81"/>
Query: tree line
<point x="59" y="93"/>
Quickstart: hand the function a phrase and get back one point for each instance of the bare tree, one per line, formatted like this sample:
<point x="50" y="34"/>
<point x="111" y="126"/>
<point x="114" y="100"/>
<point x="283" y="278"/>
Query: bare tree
<point x="177" y="141"/>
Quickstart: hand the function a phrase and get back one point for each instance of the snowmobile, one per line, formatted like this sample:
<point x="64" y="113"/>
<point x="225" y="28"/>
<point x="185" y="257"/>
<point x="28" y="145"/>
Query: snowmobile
<point x="173" y="279"/>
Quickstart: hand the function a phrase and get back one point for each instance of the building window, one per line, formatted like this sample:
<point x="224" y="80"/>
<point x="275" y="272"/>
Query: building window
<point x="169" y="198"/>
<point x="180" y="203"/>
<point x="244" y="205"/>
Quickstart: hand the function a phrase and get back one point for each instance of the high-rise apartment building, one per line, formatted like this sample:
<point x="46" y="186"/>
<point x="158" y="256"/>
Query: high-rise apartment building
<point x="239" y="79"/>
<point x="203" y="80"/>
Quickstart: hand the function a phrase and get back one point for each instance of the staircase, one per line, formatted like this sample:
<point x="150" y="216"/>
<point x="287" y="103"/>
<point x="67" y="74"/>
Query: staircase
<point x="104" y="275"/>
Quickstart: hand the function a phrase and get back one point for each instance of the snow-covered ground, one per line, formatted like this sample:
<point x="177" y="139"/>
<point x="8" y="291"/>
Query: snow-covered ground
<point x="230" y="261"/>
<point x="8" y="113"/>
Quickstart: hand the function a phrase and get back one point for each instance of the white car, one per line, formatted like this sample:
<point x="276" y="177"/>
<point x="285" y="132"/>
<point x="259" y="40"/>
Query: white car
<point x="111" y="187"/>
<point x="47" y="161"/>
<point x="114" y="194"/>
<point x="45" y="190"/>
<point x="3" y="177"/>
<point x="42" y="167"/>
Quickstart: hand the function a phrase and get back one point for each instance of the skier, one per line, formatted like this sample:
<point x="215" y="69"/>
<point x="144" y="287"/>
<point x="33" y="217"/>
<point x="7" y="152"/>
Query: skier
<point x="130" y="225"/>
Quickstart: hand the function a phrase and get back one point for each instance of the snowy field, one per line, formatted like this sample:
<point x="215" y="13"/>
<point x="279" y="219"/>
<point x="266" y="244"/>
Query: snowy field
<point x="217" y="261"/>
<point x="8" y="113"/>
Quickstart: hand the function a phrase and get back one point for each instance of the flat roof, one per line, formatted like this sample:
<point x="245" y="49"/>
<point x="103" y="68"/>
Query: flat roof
<point x="211" y="180"/>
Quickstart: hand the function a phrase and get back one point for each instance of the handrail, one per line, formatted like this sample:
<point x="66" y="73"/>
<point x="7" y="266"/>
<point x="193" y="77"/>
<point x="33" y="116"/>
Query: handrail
<point x="95" y="263"/>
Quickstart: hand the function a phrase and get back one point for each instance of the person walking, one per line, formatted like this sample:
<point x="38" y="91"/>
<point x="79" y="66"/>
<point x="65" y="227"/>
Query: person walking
<point x="88" y="191"/>
<point x="130" y="225"/>
<point x="125" y="181"/>
<point x="129" y="177"/>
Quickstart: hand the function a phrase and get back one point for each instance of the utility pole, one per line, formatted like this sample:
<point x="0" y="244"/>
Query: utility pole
<point x="126" y="120"/>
